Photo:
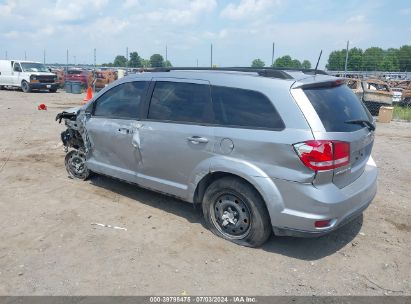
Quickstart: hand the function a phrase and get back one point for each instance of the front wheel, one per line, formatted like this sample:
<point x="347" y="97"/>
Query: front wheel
<point x="25" y="86"/>
<point x="53" y="90"/>
<point x="76" y="167"/>
<point x="235" y="211"/>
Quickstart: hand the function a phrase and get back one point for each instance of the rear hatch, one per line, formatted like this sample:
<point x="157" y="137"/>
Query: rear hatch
<point x="342" y="118"/>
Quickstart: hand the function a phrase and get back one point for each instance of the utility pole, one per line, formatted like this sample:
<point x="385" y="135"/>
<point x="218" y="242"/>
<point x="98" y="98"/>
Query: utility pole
<point x="6" y="56"/>
<point x="211" y="55"/>
<point x="25" y="55"/>
<point x="67" y="59"/>
<point x="166" y="56"/>
<point x="94" y="72"/>
<point x="346" y="58"/>
<point x="197" y="62"/>
<point x="127" y="57"/>
<point x="272" y="55"/>
<point x="44" y="56"/>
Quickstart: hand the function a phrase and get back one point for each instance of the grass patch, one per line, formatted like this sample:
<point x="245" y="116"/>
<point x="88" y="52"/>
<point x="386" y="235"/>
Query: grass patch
<point x="403" y="113"/>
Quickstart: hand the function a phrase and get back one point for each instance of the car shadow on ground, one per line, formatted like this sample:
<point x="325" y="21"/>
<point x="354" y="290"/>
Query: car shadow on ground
<point x="315" y="248"/>
<point x="300" y="248"/>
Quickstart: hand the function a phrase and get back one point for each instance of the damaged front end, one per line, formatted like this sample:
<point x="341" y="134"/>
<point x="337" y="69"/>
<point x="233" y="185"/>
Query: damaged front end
<point x="75" y="142"/>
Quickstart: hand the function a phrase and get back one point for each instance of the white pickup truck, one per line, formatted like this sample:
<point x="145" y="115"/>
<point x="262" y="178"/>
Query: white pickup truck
<point x="27" y="75"/>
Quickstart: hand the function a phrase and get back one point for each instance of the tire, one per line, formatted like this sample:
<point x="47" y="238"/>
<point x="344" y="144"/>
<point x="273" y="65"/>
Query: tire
<point x="75" y="162"/>
<point x="235" y="211"/>
<point x="52" y="90"/>
<point x="25" y="87"/>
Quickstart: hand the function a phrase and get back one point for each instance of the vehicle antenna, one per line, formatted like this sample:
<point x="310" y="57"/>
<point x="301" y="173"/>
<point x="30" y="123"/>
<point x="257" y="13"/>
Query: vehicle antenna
<point x="318" y="61"/>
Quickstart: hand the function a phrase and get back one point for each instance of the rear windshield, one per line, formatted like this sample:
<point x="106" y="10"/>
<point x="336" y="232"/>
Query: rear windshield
<point x="74" y="72"/>
<point x="337" y="105"/>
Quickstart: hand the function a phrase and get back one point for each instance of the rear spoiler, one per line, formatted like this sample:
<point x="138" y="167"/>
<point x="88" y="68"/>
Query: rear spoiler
<point x="322" y="84"/>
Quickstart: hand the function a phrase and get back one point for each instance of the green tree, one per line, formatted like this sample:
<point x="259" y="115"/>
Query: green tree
<point x="336" y="61"/>
<point x="145" y="63"/>
<point x="156" y="61"/>
<point x="168" y="64"/>
<point x="257" y="63"/>
<point x="135" y="60"/>
<point x="404" y="58"/>
<point x="390" y="61"/>
<point x="306" y="64"/>
<point x="295" y="63"/>
<point x="283" y="62"/>
<point x="372" y="58"/>
<point x="354" y="62"/>
<point x="120" y="61"/>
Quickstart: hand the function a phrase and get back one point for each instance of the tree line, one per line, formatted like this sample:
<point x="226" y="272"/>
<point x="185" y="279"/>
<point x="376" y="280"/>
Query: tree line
<point x="372" y="59"/>
<point x="283" y="62"/>
<point x="135" y="61"/>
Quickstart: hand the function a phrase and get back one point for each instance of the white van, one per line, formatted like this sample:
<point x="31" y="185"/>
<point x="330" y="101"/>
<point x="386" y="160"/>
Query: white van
<point x="27" y="75"/>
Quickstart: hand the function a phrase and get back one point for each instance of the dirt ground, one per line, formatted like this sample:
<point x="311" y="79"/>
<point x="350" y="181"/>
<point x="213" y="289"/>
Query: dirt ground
<point x="48" y="245"/>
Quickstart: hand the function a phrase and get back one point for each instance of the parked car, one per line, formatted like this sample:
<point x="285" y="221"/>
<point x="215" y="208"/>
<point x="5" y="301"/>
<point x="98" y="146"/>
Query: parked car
<point x="261" y="150"/>
<point x="27" y="75"/>
<point x="78" y="75"/>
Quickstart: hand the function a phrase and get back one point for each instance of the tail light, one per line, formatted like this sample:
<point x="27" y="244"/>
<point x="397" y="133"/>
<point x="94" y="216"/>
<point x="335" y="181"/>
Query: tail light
<point x="322" y="223"/>
<point x="323" y="154"/>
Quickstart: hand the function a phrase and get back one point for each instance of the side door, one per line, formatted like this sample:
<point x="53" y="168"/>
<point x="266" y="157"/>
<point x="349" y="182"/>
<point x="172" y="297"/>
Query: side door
<point x="176" y="140"/>
<point x="16" y="74"/>
<point x="113" y="131"/>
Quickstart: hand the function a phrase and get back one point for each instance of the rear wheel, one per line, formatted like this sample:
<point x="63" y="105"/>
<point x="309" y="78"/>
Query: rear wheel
<point x="76" y="167"/>
<point x="235" y="211"/>
<point x="25" y="86"/>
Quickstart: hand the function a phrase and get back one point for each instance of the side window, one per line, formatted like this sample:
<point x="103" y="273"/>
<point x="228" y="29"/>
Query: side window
<point x="122" y="101"/>
<point x="17" y="67"/>
<point x="180" y="102"/>
<point x="244" y="108"/>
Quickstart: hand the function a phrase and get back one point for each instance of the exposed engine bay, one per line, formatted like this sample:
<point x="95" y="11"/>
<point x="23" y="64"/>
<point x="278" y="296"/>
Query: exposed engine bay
<point x="74" y="139"/>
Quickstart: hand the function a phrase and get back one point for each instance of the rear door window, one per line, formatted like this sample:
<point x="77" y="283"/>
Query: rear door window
<point x="180" y="102"/>
<point x="122" y="101"/>
<point x="337" y="105"/>
<point x="244" y="108"/>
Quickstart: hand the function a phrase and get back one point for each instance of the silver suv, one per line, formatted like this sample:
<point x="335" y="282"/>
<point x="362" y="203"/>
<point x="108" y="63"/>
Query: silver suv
<point x="261" y="150"/>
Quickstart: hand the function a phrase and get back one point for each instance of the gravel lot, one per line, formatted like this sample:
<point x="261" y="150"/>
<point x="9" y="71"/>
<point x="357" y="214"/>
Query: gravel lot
<point x="48" y="245"/>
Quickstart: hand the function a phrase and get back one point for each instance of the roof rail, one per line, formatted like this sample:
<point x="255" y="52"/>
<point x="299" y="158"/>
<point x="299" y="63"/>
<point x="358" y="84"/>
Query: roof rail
<point x="265" y="72"/>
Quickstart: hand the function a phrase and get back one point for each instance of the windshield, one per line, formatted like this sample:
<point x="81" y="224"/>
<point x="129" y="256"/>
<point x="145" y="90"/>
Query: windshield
<point x="34" y="67"/>
<point x="337" y="105"/>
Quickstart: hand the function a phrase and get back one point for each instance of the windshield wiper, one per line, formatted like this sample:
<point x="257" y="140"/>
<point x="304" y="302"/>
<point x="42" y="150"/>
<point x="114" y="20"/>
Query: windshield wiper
<point x="363" y="122"/>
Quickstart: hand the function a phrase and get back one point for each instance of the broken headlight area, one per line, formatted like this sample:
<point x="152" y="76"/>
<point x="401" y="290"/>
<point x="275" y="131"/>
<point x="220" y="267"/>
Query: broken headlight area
<point x="71" y="137"/>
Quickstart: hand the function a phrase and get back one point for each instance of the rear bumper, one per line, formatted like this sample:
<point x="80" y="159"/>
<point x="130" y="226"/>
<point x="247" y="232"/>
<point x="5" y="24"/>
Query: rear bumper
<point x="45" y="86"/>
<point x="304" y="204"/>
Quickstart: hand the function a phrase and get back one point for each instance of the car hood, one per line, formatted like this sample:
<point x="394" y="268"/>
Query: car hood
<point x="42" y="73"/>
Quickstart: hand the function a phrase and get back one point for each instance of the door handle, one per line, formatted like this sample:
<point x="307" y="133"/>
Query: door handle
<point x="197" y="140"/>
<point x="124" y="130"/>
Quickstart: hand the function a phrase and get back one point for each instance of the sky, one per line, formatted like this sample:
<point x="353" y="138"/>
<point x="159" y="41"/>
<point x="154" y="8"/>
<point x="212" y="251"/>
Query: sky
<point x="240" y="31"/>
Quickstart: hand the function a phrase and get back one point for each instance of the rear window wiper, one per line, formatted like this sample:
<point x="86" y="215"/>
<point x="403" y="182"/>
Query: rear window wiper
<point x="363" y="122"/>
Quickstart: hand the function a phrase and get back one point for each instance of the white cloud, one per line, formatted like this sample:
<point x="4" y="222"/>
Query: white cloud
<point x="180" y="12"/>
<point x="247" y="9"/>
<point x="130" y="3"/>
<point x="7" y="8"/>
<point x="405" y="11"/>
<point x="356" y="19"/>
